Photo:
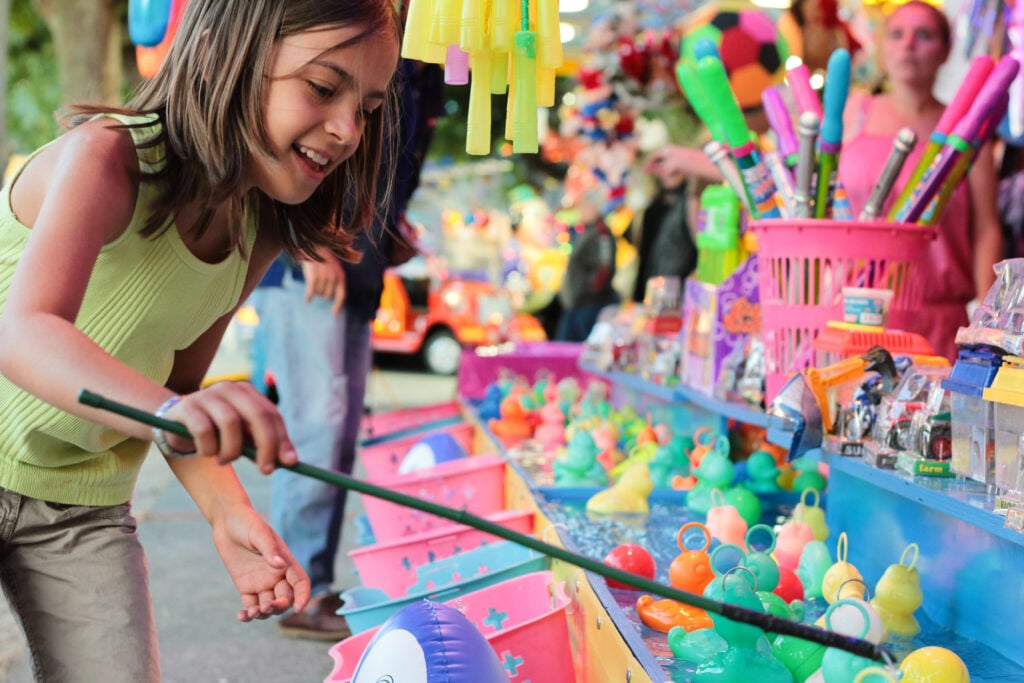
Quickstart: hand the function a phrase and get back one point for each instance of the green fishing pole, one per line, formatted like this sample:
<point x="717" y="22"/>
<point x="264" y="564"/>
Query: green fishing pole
<point x="767" y="622"/>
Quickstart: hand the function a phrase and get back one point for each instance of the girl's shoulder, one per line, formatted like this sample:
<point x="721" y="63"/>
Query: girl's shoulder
<point x="95" y="159"/>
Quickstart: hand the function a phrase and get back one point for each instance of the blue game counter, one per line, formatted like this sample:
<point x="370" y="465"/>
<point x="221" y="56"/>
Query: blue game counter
<point x="970" y="564"/>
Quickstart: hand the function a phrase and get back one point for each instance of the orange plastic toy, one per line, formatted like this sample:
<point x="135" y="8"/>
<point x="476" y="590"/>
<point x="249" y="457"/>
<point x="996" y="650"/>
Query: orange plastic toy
<point x="662" y="615"/>
<point x="691" y="570"/>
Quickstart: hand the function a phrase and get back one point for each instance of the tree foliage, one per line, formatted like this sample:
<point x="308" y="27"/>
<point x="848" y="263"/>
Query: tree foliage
<point x="33" y="89"/>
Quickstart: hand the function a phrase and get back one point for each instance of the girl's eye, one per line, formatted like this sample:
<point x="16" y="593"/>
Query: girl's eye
<point x="321" y="91"/>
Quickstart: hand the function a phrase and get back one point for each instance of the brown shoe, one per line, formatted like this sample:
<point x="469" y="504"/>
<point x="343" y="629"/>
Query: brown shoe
<point x="319" y="621"/>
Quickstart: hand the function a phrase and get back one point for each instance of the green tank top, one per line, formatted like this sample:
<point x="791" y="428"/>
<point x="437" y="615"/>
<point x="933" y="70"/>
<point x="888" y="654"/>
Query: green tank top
<point x="147" y="298"/>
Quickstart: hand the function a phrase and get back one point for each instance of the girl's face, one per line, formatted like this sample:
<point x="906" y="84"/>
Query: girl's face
<point x="914" y="47"/>
<point x="315" y="106"/>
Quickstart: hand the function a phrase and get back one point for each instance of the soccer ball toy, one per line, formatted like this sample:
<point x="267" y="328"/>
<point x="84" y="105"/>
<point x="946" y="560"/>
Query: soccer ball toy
<point x="752" y="49"/>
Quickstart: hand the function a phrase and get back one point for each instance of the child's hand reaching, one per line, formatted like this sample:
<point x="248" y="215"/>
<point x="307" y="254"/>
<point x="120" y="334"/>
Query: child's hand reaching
<point x="264" y="571"/>
<point x="225" y="416"/>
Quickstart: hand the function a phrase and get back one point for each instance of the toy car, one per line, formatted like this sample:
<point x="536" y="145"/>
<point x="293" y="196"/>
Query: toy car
<point x="436" y="314"/>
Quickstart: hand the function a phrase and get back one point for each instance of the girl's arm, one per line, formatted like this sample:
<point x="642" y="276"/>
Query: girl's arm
<point x="987" y="232"/>
<point x="76" y="196"/>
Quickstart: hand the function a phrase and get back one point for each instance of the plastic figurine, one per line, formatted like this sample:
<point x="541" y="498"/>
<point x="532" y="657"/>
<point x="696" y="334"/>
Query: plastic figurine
<point x="626" y="496"/>
<point x="763" y="473"/>
<point x="724" y="520"/>
<point x="840" y="574"/>
<point x="691" y="570"/>
<point x="898" y="595"/>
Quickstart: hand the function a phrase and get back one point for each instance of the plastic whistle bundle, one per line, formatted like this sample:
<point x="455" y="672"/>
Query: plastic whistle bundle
<point x="493" y="45"/>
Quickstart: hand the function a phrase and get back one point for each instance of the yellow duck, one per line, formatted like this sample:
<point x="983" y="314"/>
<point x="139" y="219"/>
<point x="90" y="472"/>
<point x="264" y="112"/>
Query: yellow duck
<point x="627" y="495"/>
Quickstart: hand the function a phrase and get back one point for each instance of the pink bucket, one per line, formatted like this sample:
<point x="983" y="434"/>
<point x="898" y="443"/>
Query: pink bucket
<point x="475" y="484"/>
<point x="382" y="459"/>
<point x="376" y="426"/>
<point x="391" y="566"/>
<point x="523" y="619"/>
<point x="803" y="266"/>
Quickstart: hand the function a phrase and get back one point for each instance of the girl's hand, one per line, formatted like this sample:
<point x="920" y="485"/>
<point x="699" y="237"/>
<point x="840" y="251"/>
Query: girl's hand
<point x="226" y="415"/>
<point x="327" y="279"/>
<point x="264" y="571"/>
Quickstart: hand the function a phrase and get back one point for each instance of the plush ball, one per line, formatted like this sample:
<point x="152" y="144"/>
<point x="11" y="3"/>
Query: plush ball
<point x="429" y="642"/>
<point x="752" y="49"/>
<point x="431" y="450"/>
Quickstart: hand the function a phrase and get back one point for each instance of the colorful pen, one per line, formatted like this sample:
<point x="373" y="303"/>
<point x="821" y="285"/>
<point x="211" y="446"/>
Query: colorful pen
<point x="807" y="129"/>
<point x="799" y="79"/>
<point x="904" y="143"/>
<point x="778" y="118"/>
<point x="979" y="71"/>
<point x="783" y="179"/>
<point x="837" y="85"/>
<point x="719" y="155"/>
<point x="960" y="141"/>
<point x="963" y="164"/>
<point x="756" y="180"/>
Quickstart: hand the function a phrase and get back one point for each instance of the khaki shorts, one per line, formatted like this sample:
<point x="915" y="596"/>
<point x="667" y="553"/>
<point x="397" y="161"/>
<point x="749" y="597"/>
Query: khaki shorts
<point x="76" y="578"/>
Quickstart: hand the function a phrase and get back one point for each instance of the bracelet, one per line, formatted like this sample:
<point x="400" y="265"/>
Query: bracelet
<point x="160" y="438"/>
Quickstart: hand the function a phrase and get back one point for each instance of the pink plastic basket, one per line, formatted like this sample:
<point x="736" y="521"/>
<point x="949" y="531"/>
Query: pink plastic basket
<point x="391" y="566"/>
<point x="378" y="425"/>
<point x="803" y="266"/>
<point x="475" y="484"/>
<point x="382" y="459"/>
<point x="523" y="619"/>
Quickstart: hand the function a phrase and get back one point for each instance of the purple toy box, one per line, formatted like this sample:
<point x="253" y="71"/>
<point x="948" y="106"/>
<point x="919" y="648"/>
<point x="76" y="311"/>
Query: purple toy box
<point x="718" y="323"/>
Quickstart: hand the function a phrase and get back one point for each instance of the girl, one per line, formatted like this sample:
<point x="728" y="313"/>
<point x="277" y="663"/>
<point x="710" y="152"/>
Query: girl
<point x="915" y="43"/>
<point x="125" y="246"/>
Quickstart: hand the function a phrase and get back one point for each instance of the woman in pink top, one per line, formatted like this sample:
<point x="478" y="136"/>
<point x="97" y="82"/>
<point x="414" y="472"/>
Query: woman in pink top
<point x="959" y="262"/>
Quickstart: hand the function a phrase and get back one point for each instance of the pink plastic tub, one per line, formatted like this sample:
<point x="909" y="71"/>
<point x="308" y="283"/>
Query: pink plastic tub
<point x="523" y="619"/>
<point x="375" y="426"/>
<point x="382" y="459"/>
<point x="391" y="566"/>
<point x="475" y="484"/>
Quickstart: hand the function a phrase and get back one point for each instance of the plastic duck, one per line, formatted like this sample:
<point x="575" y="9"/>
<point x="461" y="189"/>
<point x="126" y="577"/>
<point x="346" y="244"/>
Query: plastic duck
<point x="724" y="520"/>
<point x="898" y="595"/>
<point x="668" y="463"/>
<point x="763" y="473"/>
<point x="568" y="390"/>
<point x="790" y="542"/>
<point x="626" y="496"/>
<point x="814" y="563"/>
<point x="715" y="471"/>
<point x="745" y="501"/>
<point x="839" y="665"/>
<point x="579" y="466"/>
<point x="933" y="665"/>
<point x="691" y="570"/>
<point x="840" y="574"/>
<point x="514" y="424"/>
<point x="551" y="430"/>
<point x="490" y="405"/>
<point x="747" y="657"/>
<point x="664" y="615"/>
<point x="808" y="476"/>
<point x="812" y="515"/>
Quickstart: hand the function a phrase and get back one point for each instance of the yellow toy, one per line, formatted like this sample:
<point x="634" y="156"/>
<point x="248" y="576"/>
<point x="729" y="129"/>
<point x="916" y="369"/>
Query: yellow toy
<point x="841" y="573"/>
<point x="898" y="595"/>
<point x="628" y="495"/>
<point x="934" y="665"/>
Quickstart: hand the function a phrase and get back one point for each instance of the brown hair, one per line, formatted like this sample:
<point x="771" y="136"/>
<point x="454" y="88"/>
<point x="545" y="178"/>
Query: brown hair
<point x="208" y="96"/>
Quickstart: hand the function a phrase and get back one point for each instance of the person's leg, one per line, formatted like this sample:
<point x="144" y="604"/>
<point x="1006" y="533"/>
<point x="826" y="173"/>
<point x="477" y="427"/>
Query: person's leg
<point x="304" y="346"/>
<point x="77" y="581"/>
<point x="358" y="358"/>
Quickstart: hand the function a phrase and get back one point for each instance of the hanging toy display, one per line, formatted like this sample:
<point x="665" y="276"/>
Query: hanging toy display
<point x="513" y="46"/>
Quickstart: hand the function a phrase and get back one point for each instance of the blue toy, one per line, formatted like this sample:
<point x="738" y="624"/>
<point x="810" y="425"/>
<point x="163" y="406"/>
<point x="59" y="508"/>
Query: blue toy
<point x="428" y="642"/>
